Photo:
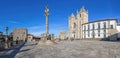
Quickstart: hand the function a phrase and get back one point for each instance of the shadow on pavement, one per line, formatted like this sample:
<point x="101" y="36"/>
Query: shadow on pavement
<point x="29" y="45"/>
<point x="14" y="52"/>
<point x="23" y="50"/>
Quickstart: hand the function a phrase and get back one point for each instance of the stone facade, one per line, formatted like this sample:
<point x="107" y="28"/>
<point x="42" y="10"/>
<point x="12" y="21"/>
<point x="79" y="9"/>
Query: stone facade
<point x="43" y="36"/>
<point x="62" y="35"/>
<point x="20" y="34"/>
<point x="75" y="24"/>
<point x="78" y="27"/>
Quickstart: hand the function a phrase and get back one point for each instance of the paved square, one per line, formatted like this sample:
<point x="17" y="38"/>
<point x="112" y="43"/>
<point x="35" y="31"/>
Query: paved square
<point x="72" y="49"/>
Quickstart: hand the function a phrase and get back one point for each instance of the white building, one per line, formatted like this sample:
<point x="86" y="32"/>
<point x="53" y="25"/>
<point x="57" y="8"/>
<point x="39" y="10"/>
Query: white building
<point x="29" y="37"/>
<point x="102" y="29"/>
<point x="118" y="29"/>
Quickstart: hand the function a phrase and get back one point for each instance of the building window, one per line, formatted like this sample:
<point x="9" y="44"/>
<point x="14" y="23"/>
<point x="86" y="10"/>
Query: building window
<point x="84" y="34"/>
<point x="98" y="32"/>
<point x="98" y="26"/>
<point x="88" y="30"/>
<point x="88" y="33"/>
<point x="80" y="15"/>
<point x="17" y="38"/>
<point x="111" y="26"/>
<point x="24" y="33"/>
<point x="104" y="31"/>
<point x="93" y="34"/>
<point x="84" y="31"/>
<point x="74" y="35"/>
<point x="104" y="25"/>
<point x="98" y="29"/>
<point x="74" y="25"/>
<point x="84" y="27"/>
<point x="93" y="26"/>
<point x="104" y="35"/>
<point x="88" y="27"/>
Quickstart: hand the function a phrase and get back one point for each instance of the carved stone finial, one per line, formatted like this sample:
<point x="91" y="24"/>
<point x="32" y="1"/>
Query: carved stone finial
<point x="72" y="15"/>
<point x="82" y="9"/>
<point x="46" y="11"/>
<point x="77" y="12"/>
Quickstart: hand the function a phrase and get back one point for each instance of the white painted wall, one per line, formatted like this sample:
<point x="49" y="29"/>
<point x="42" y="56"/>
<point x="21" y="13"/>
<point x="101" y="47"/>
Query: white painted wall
<point x="118" y="29"/>
<point x="112" y="22"/>
<point x="96" y="25"/>
<point x="30" y="38"/>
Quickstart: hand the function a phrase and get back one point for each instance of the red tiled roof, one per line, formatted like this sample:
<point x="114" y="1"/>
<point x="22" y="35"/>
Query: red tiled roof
<point x="29" y="35"/>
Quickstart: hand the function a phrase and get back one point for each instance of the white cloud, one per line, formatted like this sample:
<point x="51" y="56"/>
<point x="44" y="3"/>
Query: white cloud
<point x="36" y="30"/>
<point x="37" y="33"/>
<point x="14" y="22"/>
<point x="53" y="28"/>
<point x="34" y="27"/>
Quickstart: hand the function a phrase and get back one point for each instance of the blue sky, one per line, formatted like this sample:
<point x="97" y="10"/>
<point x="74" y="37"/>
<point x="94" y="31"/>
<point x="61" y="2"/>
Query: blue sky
<point x="30" y="13"/>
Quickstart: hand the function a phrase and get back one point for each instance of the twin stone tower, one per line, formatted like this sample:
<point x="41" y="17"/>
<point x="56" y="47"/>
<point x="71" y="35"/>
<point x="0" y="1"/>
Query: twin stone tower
<point x="75" y="24"/>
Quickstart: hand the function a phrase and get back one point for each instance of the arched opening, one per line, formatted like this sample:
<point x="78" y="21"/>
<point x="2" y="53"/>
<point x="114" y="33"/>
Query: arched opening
<point x="74" y="25"/>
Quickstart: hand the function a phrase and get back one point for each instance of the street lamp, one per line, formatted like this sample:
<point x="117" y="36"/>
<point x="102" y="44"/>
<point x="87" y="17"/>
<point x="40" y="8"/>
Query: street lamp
<point x="6" y="38"/>
<point x="6" y="28"/>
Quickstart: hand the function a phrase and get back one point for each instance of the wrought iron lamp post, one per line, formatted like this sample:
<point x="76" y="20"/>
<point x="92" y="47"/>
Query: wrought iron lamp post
<point x="6" y="38"/>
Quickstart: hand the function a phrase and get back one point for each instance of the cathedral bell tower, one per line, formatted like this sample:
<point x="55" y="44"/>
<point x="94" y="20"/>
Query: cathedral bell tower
<point x="83" y="15"/>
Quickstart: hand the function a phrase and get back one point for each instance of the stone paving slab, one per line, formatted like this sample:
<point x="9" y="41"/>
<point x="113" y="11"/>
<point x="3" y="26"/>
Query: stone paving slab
<point x="11" y="52"/>
<point x="72" y="49"/>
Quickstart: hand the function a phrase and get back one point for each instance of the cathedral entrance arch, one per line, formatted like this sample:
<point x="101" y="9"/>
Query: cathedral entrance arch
<point x="73" y="35"/>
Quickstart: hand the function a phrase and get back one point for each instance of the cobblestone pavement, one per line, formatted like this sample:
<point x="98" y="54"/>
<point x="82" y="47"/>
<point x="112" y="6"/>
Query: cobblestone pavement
<point x="71" y="49"/>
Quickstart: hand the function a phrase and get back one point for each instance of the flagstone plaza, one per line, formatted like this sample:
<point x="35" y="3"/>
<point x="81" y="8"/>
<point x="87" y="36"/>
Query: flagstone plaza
<point x="71" y="49"/>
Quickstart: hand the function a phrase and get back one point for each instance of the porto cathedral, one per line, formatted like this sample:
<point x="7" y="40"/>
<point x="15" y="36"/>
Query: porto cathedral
<point x="75" y="23"/>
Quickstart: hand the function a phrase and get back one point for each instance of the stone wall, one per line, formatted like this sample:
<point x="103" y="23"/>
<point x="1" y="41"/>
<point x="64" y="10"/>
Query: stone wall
<point x="20" y="34"/>
<point x="62" y="35"/>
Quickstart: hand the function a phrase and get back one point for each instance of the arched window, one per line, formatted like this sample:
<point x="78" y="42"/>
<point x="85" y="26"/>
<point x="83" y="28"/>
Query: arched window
<point x="74" y="25"/>
<point x="80" y="15"/>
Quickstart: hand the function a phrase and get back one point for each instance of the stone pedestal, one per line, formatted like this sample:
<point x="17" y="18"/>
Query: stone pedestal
<point x="9" y="44"/>
<point x="6" y="45"/>
<point x="6" y="42"/>
<point x="47" y="41"/>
